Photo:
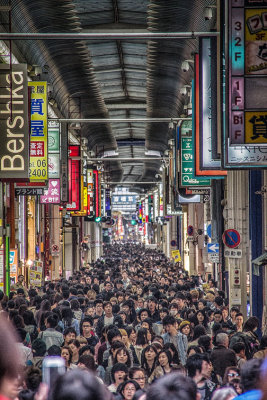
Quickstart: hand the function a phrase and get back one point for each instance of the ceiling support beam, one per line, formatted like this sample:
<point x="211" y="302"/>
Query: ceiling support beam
<point x="103" y="36"/>
<point x="118" y="120"/>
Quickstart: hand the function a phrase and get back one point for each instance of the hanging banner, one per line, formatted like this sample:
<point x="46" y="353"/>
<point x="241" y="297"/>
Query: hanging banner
<point x="13" y="262"/>
<point x="38" y="131"/>
<point x="35" y="274"/>
<point x="14" y="122"/>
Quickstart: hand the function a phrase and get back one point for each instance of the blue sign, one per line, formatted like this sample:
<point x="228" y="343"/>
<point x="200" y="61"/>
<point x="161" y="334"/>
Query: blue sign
<point x="231" y="238"/>
<point x="209" y="230"/>
<point x="213" y="248"/>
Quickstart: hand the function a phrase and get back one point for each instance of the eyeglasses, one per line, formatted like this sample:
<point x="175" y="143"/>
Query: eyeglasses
<point x="140" y="378"/>
<point x="233" y="374"/>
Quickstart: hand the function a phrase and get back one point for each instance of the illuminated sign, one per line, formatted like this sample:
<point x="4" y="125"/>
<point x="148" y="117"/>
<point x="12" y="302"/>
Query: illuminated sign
<point x="74" y="179"/>
<point x="90" y="192"/>
<point x="14" y="127"/>
<point x="52" y="194"/>
<point x="38" y="131"/>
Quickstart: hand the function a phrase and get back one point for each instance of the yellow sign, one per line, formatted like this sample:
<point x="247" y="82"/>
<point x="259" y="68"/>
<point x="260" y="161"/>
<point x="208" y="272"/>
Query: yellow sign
<point x="176" y="255"/>
<point x="35" y="274"/>
<point x="84" y="202"/>
<point x="256" y="127"/>
<point x="38" y="138"/>
<point x="256" y="36"/>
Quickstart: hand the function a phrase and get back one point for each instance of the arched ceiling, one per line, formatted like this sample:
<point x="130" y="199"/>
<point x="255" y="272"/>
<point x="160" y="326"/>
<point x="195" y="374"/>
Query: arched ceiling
<point x="114" y="78"/>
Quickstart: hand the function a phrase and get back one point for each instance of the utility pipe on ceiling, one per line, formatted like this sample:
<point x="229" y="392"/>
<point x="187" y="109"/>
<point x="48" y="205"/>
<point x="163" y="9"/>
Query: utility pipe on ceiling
<point x="103" y="36"/>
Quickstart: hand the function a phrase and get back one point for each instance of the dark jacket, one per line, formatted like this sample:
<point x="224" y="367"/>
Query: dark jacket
<point x="221" y="358"/>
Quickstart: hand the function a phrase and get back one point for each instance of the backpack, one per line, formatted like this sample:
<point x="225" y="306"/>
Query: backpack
<point x="251" y="346"/>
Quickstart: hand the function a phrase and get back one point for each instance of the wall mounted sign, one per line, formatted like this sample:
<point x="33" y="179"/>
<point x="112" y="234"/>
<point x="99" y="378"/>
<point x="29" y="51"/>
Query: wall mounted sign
<point x="38" y="132"/>
<point x="14" y="126"/>
<point x="231" y="238"/>
<point x="203" y="126"/>
<point x="247" y="64"/>
<point x="52" y="194"/>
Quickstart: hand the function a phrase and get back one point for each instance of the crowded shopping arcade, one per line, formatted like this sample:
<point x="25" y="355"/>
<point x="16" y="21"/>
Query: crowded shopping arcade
<point x="133" y="199"/>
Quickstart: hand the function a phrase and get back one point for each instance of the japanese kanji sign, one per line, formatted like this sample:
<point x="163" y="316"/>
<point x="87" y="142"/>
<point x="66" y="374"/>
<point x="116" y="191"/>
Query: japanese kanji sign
<point x="38" y="136"/>
<point x="52" y="194"/>
<point x="247" y="62"/>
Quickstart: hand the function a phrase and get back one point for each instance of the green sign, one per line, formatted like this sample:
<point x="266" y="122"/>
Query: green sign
<point x="188" y="178"/>
<point x="53" y="140"/>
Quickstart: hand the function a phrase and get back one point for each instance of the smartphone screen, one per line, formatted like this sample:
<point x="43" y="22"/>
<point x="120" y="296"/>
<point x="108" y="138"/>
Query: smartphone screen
<point x="52" y="368"/>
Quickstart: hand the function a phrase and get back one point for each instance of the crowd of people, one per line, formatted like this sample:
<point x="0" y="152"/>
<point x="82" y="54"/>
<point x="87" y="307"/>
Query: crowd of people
<point x="132" y="325"/>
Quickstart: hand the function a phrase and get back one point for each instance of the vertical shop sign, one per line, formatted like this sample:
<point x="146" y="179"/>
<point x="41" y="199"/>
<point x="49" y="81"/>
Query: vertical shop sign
<point x="90" y="192"/>
<point x="2" y="269"/>
<point x="38" y="137"/>
<point x="205" y="165"/>
<point x="96" y="194"/>
<point x="52" y="194"/>
<point x="14" y="125"/>
<point x="64" y="195"/>
<point x="74" y="179"/>
<point x="53" y="150"/>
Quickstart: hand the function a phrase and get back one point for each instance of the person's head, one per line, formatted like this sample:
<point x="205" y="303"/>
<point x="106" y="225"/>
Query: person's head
<point x="239" y="320"/>
<point x="86" y="326"/>
<point x="143" y="314"/>
<point x="9" y="365"/>
<point x="131" y="334"/>
<point x="38" y="348"/>
<point x="185" y="328"/>
<point x="198" y="365"/>
<point x="87" y="349"/>
<point x="250" y="374"/>
<point x="148" y="355"/>
<point x="169" y="324"/>
<point x="69" y="333"/>
<point x="87" y="361"/>
<point x="74" y="345"/>
<point x="51" y="321"/>
<point x="20" y="278"/>
<point x="128" y="388"/>
<point x="173" y="386"/>
<point x="224" y="393"/>
<point x="54" y="351"/>
<point x="194" y="350"/>
<point x="217" y="316"/>
<point x="107" y="306"/>
<point x="114" y="335"/>
<point x="180" y="300"/>
<point x="251" y="325"/>
<point x="119" y="373"/>
<point x="66" y="353"/>
<point x="174" y="352"/>
<point x="33" y="378"/>
<point x="152" y="303"/>
<point x="164" y="358"/>
<point x="222" y="339"/>
<point x="78" y="385"/>
<point x="141" y="339"/>
<point x="240" y="349"/>
<point x="205" y="342"/>
<point x="199" y="331"/>
<point x="231" y="373"/>
<point x="122" y="356"/>
<point x="138" y="375"/>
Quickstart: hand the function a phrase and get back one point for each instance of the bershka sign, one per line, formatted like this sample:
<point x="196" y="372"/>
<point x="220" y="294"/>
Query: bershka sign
<point x="14" y="127"/>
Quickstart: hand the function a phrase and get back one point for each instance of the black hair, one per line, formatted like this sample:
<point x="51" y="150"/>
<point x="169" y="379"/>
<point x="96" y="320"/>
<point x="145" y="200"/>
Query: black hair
<point x="54" y="351"/>
<point x="169" y="320"/>
<point x="123" y="384"/>
<point x="118" y="367"/>
<point x="38" y="348"/>
<point x="250" y="374"/>
<point x="194" y="363"/>
<point x="78" y="385"/>
<point x="251" y="324"/>
<point x="172" y="387"/>
<point x="205" y="342"/>
<point x="52" y="320"/>
<point x="85" y="348"/>
<point x="113" y="333"/>
<point x="175" y="357"/>
<point x="199" y="331"/>
<point x="68" y="330"/>
<point x="141" y="337"/>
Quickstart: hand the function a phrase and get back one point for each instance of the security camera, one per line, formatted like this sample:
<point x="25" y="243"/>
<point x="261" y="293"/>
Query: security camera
<point x="171" y="125"/>
<point x="185" y="66"/>
<point x="208" y="13"/>
<point x="183" y="90"/>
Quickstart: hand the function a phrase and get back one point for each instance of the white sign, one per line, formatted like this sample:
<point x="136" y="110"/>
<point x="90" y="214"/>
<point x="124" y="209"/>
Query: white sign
<point x="53" y="166"/>
<point x="213" y="257"/>
<point x="233" y="253"/>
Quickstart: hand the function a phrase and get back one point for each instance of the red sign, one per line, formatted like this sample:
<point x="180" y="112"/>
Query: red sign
<point x="231" y="238"/>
